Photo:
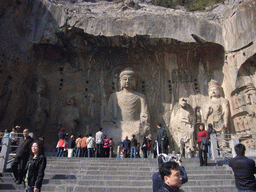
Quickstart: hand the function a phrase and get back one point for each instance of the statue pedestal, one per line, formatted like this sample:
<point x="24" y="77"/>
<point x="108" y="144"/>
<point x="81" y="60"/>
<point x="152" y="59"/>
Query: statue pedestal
<point x="120" y="129"/>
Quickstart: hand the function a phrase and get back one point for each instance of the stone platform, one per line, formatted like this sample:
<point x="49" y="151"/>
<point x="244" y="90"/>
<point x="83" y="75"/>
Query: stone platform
<point x="121" y="175"/>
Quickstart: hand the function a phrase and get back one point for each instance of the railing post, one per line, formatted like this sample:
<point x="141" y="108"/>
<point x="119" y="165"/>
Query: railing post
<point x="214" y="146"/>
<point x="233" y="143"/>
<point x="4" y="155"/>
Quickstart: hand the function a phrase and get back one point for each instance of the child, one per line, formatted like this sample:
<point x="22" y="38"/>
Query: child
<point x="118" y="151"/>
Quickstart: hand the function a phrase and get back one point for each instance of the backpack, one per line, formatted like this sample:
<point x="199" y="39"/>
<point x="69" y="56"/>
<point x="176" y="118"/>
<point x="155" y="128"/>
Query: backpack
<point x="148" y="144"/>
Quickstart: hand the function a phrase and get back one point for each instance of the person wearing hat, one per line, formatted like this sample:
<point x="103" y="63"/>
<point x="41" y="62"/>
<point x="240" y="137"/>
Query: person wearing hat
<point x="156" y="178"/>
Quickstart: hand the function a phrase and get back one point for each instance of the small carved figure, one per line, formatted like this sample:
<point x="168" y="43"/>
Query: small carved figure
<point x="69" y="115"/>
<point x="216" y="110"/>
<point x="198" y="115"/>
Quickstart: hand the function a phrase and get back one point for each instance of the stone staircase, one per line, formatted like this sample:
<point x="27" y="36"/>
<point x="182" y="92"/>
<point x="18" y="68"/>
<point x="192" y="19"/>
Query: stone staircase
<point x="121" y="175"/>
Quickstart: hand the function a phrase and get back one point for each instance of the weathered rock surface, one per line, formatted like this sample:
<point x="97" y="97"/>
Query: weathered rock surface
<point x="78" y="48"/>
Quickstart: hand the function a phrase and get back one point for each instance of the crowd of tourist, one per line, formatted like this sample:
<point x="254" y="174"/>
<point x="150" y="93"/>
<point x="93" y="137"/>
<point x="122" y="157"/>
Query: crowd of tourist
<point x="29" y="164"/>
<point x="100" y="146"/>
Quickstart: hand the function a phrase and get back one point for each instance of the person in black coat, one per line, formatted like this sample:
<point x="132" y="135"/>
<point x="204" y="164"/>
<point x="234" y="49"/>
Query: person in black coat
<point x="145" y="147"/>
<point x="21" y="158"/>
<point x="35" y="168"/>
<point x="244" y="170"/>
<point x="162" y="139"/>
<point x="126" y="147"/>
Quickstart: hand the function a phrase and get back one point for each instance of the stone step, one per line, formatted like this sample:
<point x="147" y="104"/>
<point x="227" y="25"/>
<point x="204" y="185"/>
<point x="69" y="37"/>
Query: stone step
<point x="209" y="189"/>
<point x="121" y="175"/>
<point x="79" y="188"/>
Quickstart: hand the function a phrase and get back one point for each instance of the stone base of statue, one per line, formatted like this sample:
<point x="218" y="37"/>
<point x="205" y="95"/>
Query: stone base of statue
<point x="120" y="129"/>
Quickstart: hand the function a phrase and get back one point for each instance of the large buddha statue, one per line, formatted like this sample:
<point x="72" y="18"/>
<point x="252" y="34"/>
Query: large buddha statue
<point x="216" y="110"/>
<point x="127" y="111"/>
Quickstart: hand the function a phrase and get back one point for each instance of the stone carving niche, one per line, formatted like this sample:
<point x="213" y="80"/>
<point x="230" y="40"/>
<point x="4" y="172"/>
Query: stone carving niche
<point x="243" y="100"/>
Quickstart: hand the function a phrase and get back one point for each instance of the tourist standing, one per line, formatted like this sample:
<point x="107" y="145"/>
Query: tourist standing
<point x="35" y="168"/>
<point x="126" y="147"/>
<point x="61" y="141"/>
<point x="182" y="146"/>
<point x="244" y="170"/>
<point x="6" y="134"/>
<point x="202" y="134"/>
<point x="111" y="147"/>
<point x="71" y="146"/>
<point x="162" y="139"/>
<point x="78" y="146"/>
<point x="90" y="142"/>
<point x="84" y="146"/>
<point x="22" y="155"/>
<point x="134" y="144"/>
<point x="99" y="143"/>
<point x="210" y="131"/>
<point x="145" y="147"/>
<point x="13" y="137"/>
<point x="106" y="146"/>
<point x="119" y="150"/>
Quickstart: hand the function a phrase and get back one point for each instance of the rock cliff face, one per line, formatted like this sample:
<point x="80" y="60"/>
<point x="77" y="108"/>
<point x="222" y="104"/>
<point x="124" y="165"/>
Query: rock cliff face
<point x="80" y="48"/>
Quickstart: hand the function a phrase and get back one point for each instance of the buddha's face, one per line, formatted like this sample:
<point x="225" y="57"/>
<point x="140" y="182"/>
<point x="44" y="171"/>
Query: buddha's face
<point x="127" y="81"/>
<point x="214" y="92"/>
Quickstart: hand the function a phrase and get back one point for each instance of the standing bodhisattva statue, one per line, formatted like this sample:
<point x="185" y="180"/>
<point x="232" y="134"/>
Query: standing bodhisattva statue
<point x="127" y="111"/>
<point x="184" y="124"/>
<point x="216" y="110"/>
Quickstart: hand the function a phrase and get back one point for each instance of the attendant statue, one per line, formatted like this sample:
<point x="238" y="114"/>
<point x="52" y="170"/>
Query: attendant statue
<point x="216" y="110"/>
<point x="184" y="124"/>
<point x="127" y="111"/>
<point x="38" y="108"/>
<point x="69" y="115"/>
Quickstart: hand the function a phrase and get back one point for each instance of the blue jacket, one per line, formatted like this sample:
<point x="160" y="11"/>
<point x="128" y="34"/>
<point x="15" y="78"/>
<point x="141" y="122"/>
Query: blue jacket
<point x="126" y="144"/>
<point x="244" y="170"/>
<point x="167" y="188"/>
<point x="157" y="181"/>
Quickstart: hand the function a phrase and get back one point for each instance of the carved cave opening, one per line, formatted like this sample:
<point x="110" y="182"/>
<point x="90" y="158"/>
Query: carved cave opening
<point x="88" y="67"/>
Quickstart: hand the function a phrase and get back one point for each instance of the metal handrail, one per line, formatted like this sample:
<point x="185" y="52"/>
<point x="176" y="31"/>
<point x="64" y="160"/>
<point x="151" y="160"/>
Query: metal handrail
<point x="231" y="140"/>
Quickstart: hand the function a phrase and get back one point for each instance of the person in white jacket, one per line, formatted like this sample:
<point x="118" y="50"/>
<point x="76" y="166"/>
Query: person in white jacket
<point x="90" y="142"/>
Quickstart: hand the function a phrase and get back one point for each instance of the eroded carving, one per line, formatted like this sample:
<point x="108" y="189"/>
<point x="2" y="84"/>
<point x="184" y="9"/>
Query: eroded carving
<point x="184" y="124"/>
<point x="38" y="108"/>
<point x="69" y="115"/>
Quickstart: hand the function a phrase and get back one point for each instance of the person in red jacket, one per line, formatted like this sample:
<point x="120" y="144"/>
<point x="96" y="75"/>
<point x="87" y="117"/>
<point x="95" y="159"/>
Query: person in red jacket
<point x="202" y="153"/>
<point x="106" y="146"/>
